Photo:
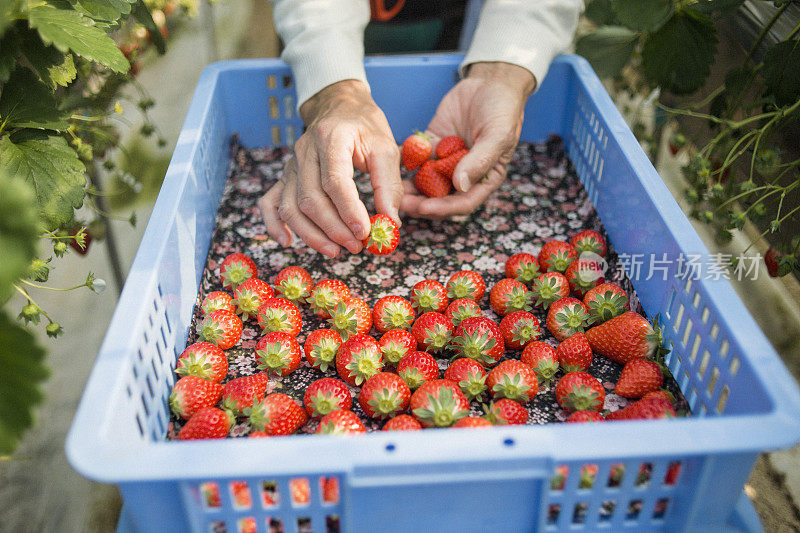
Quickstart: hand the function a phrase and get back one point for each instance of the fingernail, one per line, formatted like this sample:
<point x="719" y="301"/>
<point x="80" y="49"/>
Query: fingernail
<point x="284" y="240"/>
<point x="357" y="229"/>
<point x="353" y="246"/>
<point x="463" y="180"/>
<point x="330" y="250"/>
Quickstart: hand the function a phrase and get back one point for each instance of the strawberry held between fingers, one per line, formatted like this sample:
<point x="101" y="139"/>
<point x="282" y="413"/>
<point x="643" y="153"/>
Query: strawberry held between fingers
<point x="207" y="423"/>
<point x="416" y="150"/>
<point x="392" y="312"/>
<point x="293" y="283"/>
<point x="204" y="360"/>
<point x="449" y="145"/>
<point x="240" y="393"/>
<point x="506" y="412"/>
<point x="279" y="314"/>
<point x="519" y="328"/>
<point x="461" y="309"/>
<point x="217" y="300"/>
<point x="351" y="317"/>
<point x="522" y="267"/>
<point x="326" y="395"/>
<point x="589" y="240"/>
<point x="514" y="380"/>
<point x="431" y="182"/>
<point x="191" y="393"/>
<point x="605" y="301"/>
<point x="402" y="423"/>
<point x="321" y="347"/>
<point x="278" y="353"/>
<point x="542" y="358"/>
<point x="446" y="166"/>
<point x="580" y="391"/>
<point x="574" y="353"/>
<point x="358" y="358"/>
<point x="325" y="295"/>
<point x="438" y="403"/>
<point x="470" y="377"/>
<point x="384" y="235"/>
<point x="433" y="331"/>
<point x="340" y="423"/>
<point x="417" y="368"/>
<point x="556" y="255"/>
<point x="509" y="295"/>
<point x="395" y="344"/>
<point x="277" y="414"/>
<point x="251" y="295"/>
<point x="222" y="328"/>
<point x="429" y="295"/>
<point x="549" y="287"/>
<point x="479" y="338"/>
<point x="627" y="336"/>
<point x="566" y="317"/>
<point x="384" y="395"/>
<point x="235" y="269"/>
<point x="466" y="284"/>
<point x="639" y="376"/>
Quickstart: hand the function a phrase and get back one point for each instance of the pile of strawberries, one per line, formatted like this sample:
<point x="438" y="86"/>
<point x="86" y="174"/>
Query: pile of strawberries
<point x="397" y="373"/>
<point x="434" y="177"/>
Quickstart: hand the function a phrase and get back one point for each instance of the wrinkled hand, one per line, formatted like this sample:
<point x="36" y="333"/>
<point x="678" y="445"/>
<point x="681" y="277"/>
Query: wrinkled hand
<point x="316" y="197"/>
<point x="486" y="110"/>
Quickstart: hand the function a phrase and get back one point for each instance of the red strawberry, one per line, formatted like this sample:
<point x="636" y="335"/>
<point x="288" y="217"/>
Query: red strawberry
<point x="449" y="145"/>
<point x="509" y="295"/>
<point x="383" y="395"/>
<point x="605" y="301"/>
<point x="639" y="376"/>
<point x="416" y="150"/>
<point x="625" y="337"/>
<point x="673" y="471"/>
<point x="392" y="312"/>
<point x="358" y="358"/>
<point x="583" y="275"/>
<point x="326" y="395"/>
<point x="204" y="360"/>
<point x="278" y="353"/>
<point x="446" y="166"/>
<point x="300" y="490"/>
<point x="460" y="309"/>
<point x="402" y="423"/>
<point x="351" y="317"/>
<point x="330" y="489"/>
<point x="542" y="358"/>
<point x="207" y="423"/>
<point x="191" y="393"/>
<point x="522" y="267"/>
<point x="506" y="412"/>
<point x="431" y="182"/>
<point x="429" y="295"/>
<point x="395" y="344"/>
<point x="340" y="423"/>
<point x="325" y="295"/>
<point x="589" y="240"/>
<point x="470" y="377"/>
<point x="221" y="327"/>
<point x="514" y="380"/>
<point x="278" y="314"/>
<point x="438" y="403"/>
<point x="585" y="416"/>
<point x="660" y="395"/>
<point x="556" y="255"/>
<point x="519" y="328"/>
<point x="251" y="295"/>
<point x="433" y="331"/>
<point x="466" y="284"/>
<point x="566" y="317"/>
<point x="257" y="434"/>
<point x="479" y="338"/>
<point x="217" y="300"/>
<point x="574" y="353"/>
<point x="778" y="264"/>
<point x="236" y="269"/>
<point x="240" y="393"/>
<point x="417" y="368"/>
<point x="580" y="391"/>
<point x="384" y="234"/>
<point x="321" y="347"/>
<point x="473" y="422"/>
<point x="293" y="283"/>
<point x="277" y="414"/>
<point x="549" y="287"/>
<point x="644" y="409"/>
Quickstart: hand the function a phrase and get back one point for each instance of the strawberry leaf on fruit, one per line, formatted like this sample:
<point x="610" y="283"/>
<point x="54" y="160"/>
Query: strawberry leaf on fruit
<point x="53" y="66"/>
<point x="642" y="15"/>
<point x="781" y="73"/>
<point x="19" y="231"/>
<point x="27" y="103"/>
<point x="608" y="49"/>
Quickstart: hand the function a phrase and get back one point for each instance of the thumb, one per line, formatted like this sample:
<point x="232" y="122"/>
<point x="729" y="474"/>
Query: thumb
<point x="483" y="155"/>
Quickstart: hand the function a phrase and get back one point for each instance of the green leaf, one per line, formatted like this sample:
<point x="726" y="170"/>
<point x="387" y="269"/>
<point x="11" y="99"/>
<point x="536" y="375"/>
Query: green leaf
<point x="22" y="371"/>
<point x="9" y="49"/>
<point x="19" y="231"/>
<point x="678" y="57"/>
<point x="600" y="12"/>
<point x="608" y="49"/>
<point x="8" y="11"/>
<point x="143" y="16"/>
<point x="68" y="29"/>
<point x="27" y="103"/>
<point x="721" y="7"/>
<point x="51" y="166"/>
<point x="781" y="72"/>
<point x="105" y="10"/>
<point x="53" y="66"/>
<point x="642" y="15"/>
<point x="736" y="80"/>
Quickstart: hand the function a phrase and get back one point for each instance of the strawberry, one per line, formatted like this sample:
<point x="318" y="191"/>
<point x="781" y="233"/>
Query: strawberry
<point x="221" y="327"/>
<point x="470" y="377"/>
<point x="207" y="423"/>
<point x="384" y="235"/>
<point x="438" y="403"/>
<point x="325" y="295"/>
<point x="460" y="309"/>
<point x="446" y="166"/>
<point x="559" y="479"/>
<point x="778" y="264"/>
<point x="479" y="338"/>
<point x="383" y="395"/>
<point x="627" y="336"/>
<point x="514" y="380"/>
<point x="402" y="423"/>
<point x="392" y="312"/>
<point x="191" y="393"/>
<point x="505" y="412"/>
<point x="433" y="331"/>
<point x="472" y="422"/>
<point x="574" y="353"/>
<point x="449" y="145"/>
<point x="204" y="360"/>
<point x="429" y="295"/>
<point x="676" y="141"/>
<point x="236" y="269"/>
<point x="321" y="347"/>
<point x="566" y="317"/>
<point x="351" y="317"/>
<point x="277" y="414"/>
<point x="430" y="182"/>
<point x="582" y="276"/>
<point x="644" y="409"/>
<point x="519" y="328"/>
<point x="417" y="368"/>
<point x="605" y="301"/>
<point x="326" y="395"/>
<point x="293" y="283"/>
<point x="395" y="344"/>
<point x="358" y="358"/>
<point x="673" y="471"/>
<point x="279" y="314"/>
<point x="466" y="284"/>
<point x="330" y="489"/>
<point x="240" y="393"/>
<point x="251" y="295"/>
<point x="542" y="358"/>
<point x="639" y="376"/>
<point x="660" y="395"/>
<point x="340" y="423"/>
<point x="217" y="300"/>
<point x="522" y="267"/>
<point x="278" y="353"/>
<point x="549" y="287"/>
<point x="589" y="240"/>
<point x="241" y="494"/>
<point x="556" y="255"/>
<point x="509" y="295"/>
<point x="300" y="490"/>
<point x="580" y="391"/>
<point x="416" y="150"/>
<point x="257" y="434"/>
<point x="585" y="416"/>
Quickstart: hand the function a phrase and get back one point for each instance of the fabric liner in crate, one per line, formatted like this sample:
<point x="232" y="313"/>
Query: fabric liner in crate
<point x="542" y="199"/>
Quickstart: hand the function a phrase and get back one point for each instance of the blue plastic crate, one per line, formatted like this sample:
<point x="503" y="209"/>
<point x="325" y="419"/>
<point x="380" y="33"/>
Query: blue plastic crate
<point x="744" y="400"/>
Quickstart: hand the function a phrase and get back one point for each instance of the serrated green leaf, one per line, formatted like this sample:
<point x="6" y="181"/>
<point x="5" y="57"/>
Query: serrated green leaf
<point x="51" y="166"/>
<point x="608" y="49"/>
<point x="9" y="49"/>
<point x="27" y="103"/>
<point x="53" y="66"/>
<point x="19" y="231"/>
<point x="600" y="12"/>
<point x="678" y="57"/>
<point x="642" y="15"/>
<point x="781" y="72"/>
<point x="105" y="10"/>
<point x="142" y="15"/>
<point x="67" y="29"/>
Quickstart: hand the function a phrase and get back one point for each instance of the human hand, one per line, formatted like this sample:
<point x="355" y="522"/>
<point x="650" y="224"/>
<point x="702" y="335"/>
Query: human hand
<point x="316" y="197"/>
<point x="486" y="110"/>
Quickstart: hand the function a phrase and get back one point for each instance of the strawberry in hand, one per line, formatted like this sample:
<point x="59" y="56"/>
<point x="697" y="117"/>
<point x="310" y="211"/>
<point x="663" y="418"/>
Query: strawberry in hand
<point x="384" y="234"/>
<point x="430" y="182"/>
<point x="449" y="145"/>
<point x="416" y="150"/>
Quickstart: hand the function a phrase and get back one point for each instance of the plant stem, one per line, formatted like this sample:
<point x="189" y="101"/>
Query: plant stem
<point x="84" y="284"/>
<point x="32" y="302"/>
<point x="764" y="31"/>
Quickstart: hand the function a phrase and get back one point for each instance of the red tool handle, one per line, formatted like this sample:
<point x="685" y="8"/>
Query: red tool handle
<point x="381" y="13"/>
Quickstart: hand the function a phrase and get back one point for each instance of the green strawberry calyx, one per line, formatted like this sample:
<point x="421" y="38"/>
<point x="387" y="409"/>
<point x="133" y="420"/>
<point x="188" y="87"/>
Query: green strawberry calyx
<point x="413" y="377"/>
<point x="385" y="402"/>
<point x="475" y="345"/>
<point x="343" y="320"/>
<point x="461" y="288"/>
<point x="293" y="288"/>
<point x="426" y="300"/>
<point x="526" y="271"/>
<point x="323" y="403"/>
<point x="473" y="386"/>
<point x="393" y="352"/>
<point x="235" y="274"/>
<point x="274" y="357"/>
<point x="210" y="331"/>
<point x="194" y="365"/>
<point x="437" y="338"/>
<point x="518" y="299"/>
<point x="525" y="330"/>
<point x="396" y="316"/>
<point x="442" y="410"/>
<point x="546" y="369"/>
<point x="247" y="303"/>
<point x="512" y="387"/>
<point x="604" y="307"/>
<point x="571" y="319"/>
<point x="323" y="353"/>
<point x="463" y="312"/>
<point x="273" y="319"/>
<point x="655" y="341"/>
<point x="559" y="261"/>
<point x="364" y="364"/>
<point x="381" y="236"/>
<point x="582" y="398"/>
